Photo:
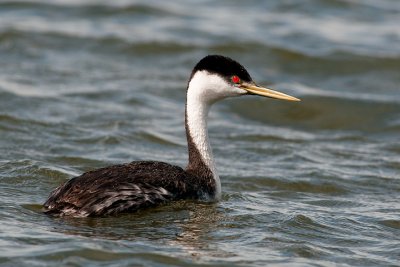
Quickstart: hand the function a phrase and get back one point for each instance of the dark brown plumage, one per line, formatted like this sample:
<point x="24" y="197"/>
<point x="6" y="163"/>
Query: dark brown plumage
<point x="125" y="188"/>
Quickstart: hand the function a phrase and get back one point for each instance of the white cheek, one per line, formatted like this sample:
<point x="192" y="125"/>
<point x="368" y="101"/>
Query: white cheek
<point x="211" y="87"/>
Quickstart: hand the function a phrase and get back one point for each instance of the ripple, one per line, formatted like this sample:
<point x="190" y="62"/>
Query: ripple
<point x="21" y="171"/>
<point x="264" y="183"/>
<point x="321" y="112"/>
<point x="158" y="138"/>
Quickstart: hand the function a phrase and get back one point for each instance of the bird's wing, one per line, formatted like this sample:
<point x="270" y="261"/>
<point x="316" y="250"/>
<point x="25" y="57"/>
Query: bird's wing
<point x="122" y="197"/>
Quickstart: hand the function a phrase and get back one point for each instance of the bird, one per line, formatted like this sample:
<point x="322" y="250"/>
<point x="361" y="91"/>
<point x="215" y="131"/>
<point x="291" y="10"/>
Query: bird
<point x="138" y="185"/>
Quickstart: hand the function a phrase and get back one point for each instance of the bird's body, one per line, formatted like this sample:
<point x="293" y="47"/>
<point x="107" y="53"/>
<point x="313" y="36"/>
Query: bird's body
<point x="126" y="188"/>
<point x="141" y="184"/>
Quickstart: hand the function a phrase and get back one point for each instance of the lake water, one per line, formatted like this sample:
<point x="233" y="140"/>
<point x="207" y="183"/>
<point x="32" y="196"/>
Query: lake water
<point x="86" y="84"/>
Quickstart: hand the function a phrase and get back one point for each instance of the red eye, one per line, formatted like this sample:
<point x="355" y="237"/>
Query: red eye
<point x="235" y="79"/>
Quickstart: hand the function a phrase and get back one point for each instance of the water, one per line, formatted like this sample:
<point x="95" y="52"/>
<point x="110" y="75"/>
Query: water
<point x="86" y="84"/>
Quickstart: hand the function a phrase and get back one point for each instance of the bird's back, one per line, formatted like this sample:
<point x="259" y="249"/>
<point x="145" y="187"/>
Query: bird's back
<point x="122" y="188"/>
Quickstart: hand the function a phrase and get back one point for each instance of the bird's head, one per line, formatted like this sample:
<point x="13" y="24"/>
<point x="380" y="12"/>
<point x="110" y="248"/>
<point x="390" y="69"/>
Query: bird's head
<point x="217" y="77"/>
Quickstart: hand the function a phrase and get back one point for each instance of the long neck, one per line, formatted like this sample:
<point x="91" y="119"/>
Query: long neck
<point x="201" y="161"/>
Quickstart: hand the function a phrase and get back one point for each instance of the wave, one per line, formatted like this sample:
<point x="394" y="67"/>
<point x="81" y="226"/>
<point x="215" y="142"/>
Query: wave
<point x="82" y="9"/>
<point x="69" y="40"/>
<point x="327" y="32"/>
<point x="323" y="112"/>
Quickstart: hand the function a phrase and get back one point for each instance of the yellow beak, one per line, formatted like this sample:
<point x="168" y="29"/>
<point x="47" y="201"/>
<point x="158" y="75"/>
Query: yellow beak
<point x="257" y="90"/>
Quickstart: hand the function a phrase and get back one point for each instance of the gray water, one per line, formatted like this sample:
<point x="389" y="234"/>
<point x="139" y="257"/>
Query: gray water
<point x="87" y="84"/>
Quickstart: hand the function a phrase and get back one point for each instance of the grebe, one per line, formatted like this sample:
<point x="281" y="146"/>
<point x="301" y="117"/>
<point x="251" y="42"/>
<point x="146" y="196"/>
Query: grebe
<point x="141" y="184"/>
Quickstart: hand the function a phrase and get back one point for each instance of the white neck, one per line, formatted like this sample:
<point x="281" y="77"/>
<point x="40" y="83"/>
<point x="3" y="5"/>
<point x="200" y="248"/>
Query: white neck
<point x="197" y="108"/>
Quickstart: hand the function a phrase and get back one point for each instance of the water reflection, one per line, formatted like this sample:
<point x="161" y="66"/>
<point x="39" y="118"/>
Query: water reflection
<point x="185" y="225"/>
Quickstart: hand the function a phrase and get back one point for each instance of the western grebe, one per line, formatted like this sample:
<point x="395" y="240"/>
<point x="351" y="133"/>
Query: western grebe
<point x="140" y="184"/>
